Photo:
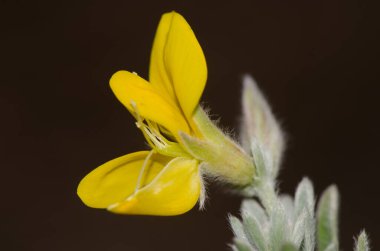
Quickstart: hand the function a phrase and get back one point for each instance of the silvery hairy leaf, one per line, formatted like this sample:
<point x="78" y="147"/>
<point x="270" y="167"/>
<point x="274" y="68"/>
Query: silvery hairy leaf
<point x="259" y="123"/>
<point x="299" y="229"/>
<point x="237" y="227"/>
<point x="263" y="167"/>
<point x="362" y="243"/>
<point x="252" y="208"/>
<point x="309" y="240"/>
<point x="277" y="227"/>
<point x="304" y="202"/>
<point x="255" y="232"/>
<point x="288" y="204"/>
<point x="304" y="197"/>
<point x="327" y="219"/>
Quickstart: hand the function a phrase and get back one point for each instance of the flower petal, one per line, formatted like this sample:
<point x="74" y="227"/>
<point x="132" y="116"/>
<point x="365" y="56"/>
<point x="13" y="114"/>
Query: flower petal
<point x="177" y="62"/>
<point x="130" y="88"/>
<point x="174" y="191"/>
<point x="158" y="75"/>
<point x="117" y="179"/>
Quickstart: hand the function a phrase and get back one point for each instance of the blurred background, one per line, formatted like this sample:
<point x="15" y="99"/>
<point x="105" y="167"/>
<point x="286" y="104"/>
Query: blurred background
<point x="316" y="61"/>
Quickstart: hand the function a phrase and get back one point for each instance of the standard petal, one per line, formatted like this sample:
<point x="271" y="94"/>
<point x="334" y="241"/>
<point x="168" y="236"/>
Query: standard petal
<point x="178" y="59"/>
<point x="158" y="75"/>
<point x="174" y="191"/>
<point x="117" y="179"/>
<point x="132" y="89"/>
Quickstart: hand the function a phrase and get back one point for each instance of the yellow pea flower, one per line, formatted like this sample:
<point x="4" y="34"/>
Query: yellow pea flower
<point x="166" y="180"/>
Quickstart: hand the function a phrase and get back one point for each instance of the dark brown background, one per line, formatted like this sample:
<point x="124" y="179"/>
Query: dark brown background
<point x="317" y="61"/>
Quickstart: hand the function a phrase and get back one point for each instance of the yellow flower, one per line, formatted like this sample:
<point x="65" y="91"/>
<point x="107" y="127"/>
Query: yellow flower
<point x="166" y="180"/>
<point x="150" y="182"/>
